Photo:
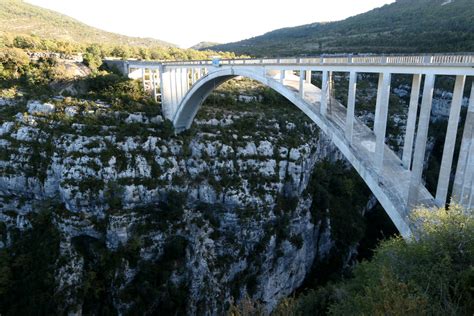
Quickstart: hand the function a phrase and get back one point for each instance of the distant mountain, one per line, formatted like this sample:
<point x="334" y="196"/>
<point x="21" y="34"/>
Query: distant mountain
<point x="18" y="17"/>
<point x="406" y="26"/>
<point x="204" y="45"/>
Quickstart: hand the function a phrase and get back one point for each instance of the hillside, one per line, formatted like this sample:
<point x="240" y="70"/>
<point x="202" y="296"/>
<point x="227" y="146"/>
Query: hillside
<point x="406" y="26"/>
<point x="204" y="45"/>
<point x="18" y="17"/>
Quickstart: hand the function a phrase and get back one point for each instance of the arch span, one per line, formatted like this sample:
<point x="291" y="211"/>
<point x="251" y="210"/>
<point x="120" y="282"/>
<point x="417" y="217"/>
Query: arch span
<point x="391" y="200"/>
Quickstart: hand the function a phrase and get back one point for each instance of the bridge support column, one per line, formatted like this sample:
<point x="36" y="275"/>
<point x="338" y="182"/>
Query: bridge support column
<point x="308" y="76"/>
<point x="174" y="88"/>
<point x="450" y="142"/>
<point x="411" y="121"/>
<point x="421" y="139"/>
<point x="181" y="87"/>
<point x="324" y="93"/>
<point x="351" y="106"/>
<point x="166" y="95"/>
<point x="302" y="78"/>
<point x="143" y="79"/>
<point x="381" y="113"/>
<point x="153" y="83"/>
<point x="125" y="68"/>
<point x="282" y="76"/>
<point x="463" y="188"/>
<point x="184" y="81"/>
<point x="331" y="91"/>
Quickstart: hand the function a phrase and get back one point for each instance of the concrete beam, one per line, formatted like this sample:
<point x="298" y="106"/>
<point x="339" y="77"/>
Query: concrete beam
<point x="351" y="106"/>
<point x="421" y="140"/>
<point x="450" y="141"/>
<point x="381" y="113"/>
<point x="411" y="121"/>
<point x="464" y="181"/>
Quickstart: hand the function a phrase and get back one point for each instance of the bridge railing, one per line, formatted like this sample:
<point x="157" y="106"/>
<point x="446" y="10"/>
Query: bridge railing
<point x="465" y="59"/>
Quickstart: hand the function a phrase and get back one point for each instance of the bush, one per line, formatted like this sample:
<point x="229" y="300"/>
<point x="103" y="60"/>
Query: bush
<point x="432" y="274"/>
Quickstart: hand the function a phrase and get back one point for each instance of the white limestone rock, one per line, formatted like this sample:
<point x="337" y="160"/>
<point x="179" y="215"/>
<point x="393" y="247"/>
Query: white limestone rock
<point x="25" y="133"/>
<point x="295" y="154"/>
<point x="136" y="118"/>
<point x="6" y="127"/>
<point x="265" y="148"/>
<point x="71" y="111"/>
<point x="36" y="107"/>
<point x="157" y="119"/>
<point x="249" y="150"/>
<point x="7" y="102"/>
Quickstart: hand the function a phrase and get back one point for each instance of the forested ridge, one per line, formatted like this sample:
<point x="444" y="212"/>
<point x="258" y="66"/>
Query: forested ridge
<point x="406" y="26"/>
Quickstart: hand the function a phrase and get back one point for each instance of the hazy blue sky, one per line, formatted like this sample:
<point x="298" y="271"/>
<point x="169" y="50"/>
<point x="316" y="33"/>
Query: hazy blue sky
<point x="188" y="22"/>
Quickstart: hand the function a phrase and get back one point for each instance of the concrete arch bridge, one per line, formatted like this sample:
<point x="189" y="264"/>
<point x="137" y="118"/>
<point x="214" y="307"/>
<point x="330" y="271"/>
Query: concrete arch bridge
<point x="397" y="183"/>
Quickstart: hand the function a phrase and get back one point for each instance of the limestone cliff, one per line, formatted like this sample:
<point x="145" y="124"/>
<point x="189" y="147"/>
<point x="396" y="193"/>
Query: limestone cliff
<point x="212" y="215"/>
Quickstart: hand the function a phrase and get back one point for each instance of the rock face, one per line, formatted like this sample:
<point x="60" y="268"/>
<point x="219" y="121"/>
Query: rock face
<point x="223" y="209"/>
<point x="240" y="237"/>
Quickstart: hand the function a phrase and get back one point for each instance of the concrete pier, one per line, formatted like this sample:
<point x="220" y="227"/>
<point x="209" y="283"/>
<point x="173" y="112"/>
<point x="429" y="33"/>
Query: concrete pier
<point x="351" y="98"/>
<point x="302" y="81"/>
<point x="421" y="140"/>
<point x="411" y="121"/>
<point x="308" y="76"/>
<point x="381" y="112"/>
<point x="450" y="142"/>
<point x="325" y="93"/>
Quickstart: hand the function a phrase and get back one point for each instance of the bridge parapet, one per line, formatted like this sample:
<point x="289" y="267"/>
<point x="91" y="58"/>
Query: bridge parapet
<point x="414" y="60"/>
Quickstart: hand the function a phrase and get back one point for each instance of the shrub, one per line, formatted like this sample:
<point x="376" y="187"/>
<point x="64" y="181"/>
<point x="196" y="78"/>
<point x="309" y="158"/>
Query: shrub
<point x="432" y="274"/>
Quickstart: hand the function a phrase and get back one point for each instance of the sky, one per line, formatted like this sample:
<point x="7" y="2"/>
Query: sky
<point x="187" y="23"/>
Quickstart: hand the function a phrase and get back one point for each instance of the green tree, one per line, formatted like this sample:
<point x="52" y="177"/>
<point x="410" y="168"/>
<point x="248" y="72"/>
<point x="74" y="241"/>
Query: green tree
<point x="93" y="57"/>
<point x="12" y="61"/>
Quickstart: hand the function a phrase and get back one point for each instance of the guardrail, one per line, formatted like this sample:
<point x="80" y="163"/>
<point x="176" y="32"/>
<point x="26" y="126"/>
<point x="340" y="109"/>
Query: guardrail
<point x="455" y="60"/>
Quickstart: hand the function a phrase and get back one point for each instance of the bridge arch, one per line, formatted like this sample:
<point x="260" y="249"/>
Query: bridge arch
<point x="189" y="106"/>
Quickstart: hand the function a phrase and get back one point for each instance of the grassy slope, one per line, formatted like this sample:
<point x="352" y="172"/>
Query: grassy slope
<point x="404" y="26"/>
<point x="22" y="18"/>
